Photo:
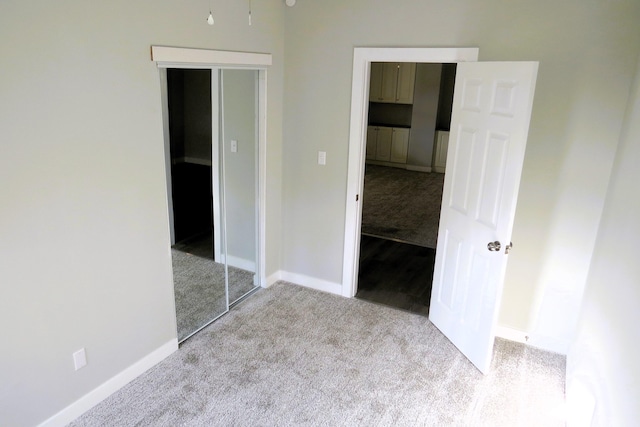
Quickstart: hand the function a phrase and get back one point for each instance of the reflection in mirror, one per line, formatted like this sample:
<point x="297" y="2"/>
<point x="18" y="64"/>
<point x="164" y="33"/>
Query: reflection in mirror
<point x="199" y="276"/>
<point x="239" y="143"/>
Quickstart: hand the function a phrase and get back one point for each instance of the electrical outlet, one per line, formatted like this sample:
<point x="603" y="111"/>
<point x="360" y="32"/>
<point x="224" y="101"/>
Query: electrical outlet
<point x="79" y="359"/>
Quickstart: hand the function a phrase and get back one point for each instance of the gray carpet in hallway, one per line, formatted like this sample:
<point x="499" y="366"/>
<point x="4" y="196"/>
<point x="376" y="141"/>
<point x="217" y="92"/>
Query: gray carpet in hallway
<point x="291" y="356"/>
<point x="402" y="205"/>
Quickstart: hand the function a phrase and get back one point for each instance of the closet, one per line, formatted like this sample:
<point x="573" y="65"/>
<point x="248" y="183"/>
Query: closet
<point x="211" y="116"/>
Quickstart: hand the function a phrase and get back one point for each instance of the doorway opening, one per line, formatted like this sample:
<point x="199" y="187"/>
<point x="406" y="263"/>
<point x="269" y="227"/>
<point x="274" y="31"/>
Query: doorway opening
<point x="408" y="123"/>
<point x="363" y="58"/>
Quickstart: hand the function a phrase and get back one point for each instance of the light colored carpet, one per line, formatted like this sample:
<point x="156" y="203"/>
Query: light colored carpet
<point x="291" y="356"/>
<point x="402" y="205"/>
<point x="200" y="290"/>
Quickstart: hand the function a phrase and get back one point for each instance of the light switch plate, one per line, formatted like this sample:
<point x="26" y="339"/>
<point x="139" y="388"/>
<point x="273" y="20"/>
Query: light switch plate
<point x="322" y="157"/>
<point x="234" y="146"/>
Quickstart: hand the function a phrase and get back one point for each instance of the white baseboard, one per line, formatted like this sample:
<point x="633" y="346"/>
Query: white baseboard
<point x="512" y="334"/>
<point x="388" y="164"/>
<point x="273" y="278"/>
<point x="312" y="282"/>
<point x="237" y="262"/>
<point x="531" y="339"/>
<point x="198" y="161"/>
<point x="552" y="344"/>
<point x="419" y="168"/>
<point x="112" y="385"/>
<point x="192" y="160"/>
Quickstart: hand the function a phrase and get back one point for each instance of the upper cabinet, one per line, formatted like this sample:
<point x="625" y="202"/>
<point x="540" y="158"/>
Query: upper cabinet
<point x="392" y="82"/>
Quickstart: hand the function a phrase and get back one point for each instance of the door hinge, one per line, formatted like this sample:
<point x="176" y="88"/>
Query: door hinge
<point x="357" y="197"/>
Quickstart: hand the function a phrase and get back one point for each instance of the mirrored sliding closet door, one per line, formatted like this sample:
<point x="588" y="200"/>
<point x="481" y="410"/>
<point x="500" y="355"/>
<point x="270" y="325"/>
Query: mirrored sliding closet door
<point x="211" y="120"/>
<point x="239" y="148"/>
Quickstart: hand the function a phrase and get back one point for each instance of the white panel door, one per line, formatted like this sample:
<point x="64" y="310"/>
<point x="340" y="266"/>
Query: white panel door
<point x="489" y="126"/>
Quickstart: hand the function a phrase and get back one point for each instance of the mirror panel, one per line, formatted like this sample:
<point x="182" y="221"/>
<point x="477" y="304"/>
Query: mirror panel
<point x="199" y="275"/>
<point x="239" y="137"/>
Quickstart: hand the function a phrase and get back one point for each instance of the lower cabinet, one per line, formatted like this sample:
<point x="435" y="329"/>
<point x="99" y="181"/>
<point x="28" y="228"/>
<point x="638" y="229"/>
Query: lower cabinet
<point x="383" y="143"/>
<point x="399" y="145"/>
<point x="442" y="146"/>
<point x="387" y="144"/>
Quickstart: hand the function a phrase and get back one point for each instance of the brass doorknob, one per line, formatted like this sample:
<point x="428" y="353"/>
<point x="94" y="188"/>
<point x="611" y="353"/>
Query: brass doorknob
<point x="494" y="246"/>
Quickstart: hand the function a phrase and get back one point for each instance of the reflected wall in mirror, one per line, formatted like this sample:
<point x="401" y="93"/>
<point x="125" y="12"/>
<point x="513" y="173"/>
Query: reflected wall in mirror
<point x="211" y="120"/>
<point x="239" y="133"/>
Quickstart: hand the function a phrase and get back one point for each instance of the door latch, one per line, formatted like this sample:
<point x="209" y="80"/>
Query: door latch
<point x="507" y="249"/>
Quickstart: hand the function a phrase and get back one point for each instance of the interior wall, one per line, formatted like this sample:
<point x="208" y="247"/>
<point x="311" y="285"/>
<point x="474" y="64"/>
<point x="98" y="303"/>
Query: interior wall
<point x="603" y="375"/>
<point x="445" y="105"/>
<point x="197" y="116"/>
<point x="586" y="53"/>
<point x="84" y="253"/>
<point x="175" y="94"/>
<point x="425" y="111"/>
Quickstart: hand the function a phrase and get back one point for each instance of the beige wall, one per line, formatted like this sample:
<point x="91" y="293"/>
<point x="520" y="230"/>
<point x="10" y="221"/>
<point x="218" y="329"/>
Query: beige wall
<point x="602" y="367"/>
<point x="84" y="237"/>
<point x="587" y="58"/>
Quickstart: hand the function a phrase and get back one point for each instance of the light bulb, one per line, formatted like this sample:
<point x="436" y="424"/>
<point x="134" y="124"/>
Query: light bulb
<point x="210" y="19"/>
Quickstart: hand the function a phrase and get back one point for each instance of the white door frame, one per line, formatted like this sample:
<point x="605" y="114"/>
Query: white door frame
<point x="176" y="57"/>
<point x="362" y="59"/>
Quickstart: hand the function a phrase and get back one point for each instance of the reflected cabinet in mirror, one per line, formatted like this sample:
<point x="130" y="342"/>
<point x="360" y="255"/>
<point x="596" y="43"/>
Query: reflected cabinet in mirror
<point x="211" y="121"/>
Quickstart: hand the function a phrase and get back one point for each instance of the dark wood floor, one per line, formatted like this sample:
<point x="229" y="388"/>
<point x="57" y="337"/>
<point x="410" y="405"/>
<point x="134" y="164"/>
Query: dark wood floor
<point x="395" y="274"/>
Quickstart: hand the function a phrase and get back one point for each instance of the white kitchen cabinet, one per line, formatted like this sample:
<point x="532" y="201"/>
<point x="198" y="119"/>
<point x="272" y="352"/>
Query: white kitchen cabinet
<point x="440" y="155"/>
<point x="386" y="144"/>
<point x="383" y="144"/>
<point x="406" y="82"/>
<point x="392" y="82"/>
<point x="399" y="145"/>
<point x="372" y="137"/>
<point x="375" y="82"/>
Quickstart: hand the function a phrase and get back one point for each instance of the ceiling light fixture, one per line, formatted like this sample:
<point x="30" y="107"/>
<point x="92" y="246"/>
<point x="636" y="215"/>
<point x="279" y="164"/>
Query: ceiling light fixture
<point x="210" y="18"/>
<point x="290" y="3"/>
